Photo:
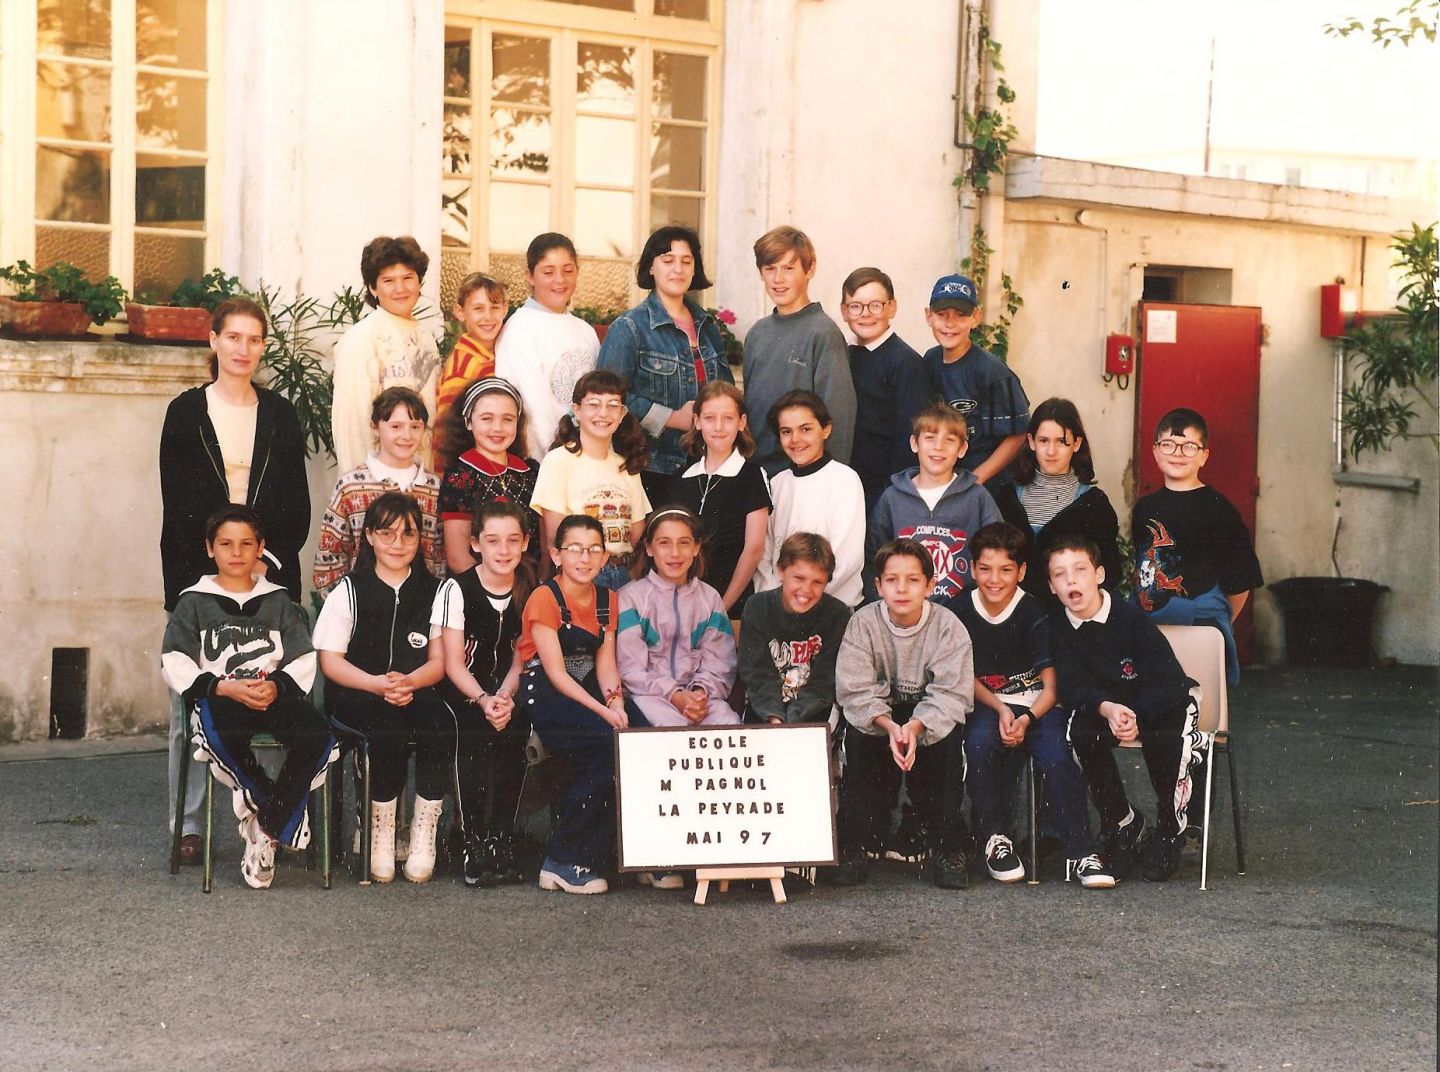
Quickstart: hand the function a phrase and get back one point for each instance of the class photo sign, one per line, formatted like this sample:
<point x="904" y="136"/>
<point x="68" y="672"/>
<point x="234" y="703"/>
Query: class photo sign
<point x="732" y="796"/>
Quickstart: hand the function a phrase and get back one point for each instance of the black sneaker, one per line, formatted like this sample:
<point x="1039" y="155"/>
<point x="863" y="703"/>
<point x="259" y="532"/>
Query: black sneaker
<point x="852" y="870"/>
<point x="1090" y="873"/>
<point x="908" y="844"/>
<point x="1162" y="857"/>
<point x="480" y="869"/>
<point x="1121" y="844"/>
<point x="1001" y="861"/>
<point x="507" y="860"/>
<point x="950" y="870"/>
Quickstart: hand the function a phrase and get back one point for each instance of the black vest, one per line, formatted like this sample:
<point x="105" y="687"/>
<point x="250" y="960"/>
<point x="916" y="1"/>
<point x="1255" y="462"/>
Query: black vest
<point x="490" y="638"/>
<point x="392" y="629"/>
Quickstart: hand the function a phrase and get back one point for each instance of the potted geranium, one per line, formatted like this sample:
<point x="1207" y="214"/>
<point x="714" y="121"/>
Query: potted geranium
<point x="57" y="302"/>
<point x="725" y="321"/>
<point x="597" y="317"/>
<point x="185" y="315"/>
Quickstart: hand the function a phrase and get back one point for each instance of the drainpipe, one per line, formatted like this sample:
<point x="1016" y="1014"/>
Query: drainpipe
<point x="969" y="87"/>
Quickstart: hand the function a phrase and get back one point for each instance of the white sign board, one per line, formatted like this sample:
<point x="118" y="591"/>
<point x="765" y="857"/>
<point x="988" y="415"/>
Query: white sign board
<point x="735" y="796"/>
<point x="1160" y="325"/>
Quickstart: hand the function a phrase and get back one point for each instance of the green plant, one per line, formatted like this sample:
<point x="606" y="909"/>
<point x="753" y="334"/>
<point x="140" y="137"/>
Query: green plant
<point x="207" y="292"/>
<point x="595" y="315"/>
<point x="990" y="132"/>
<point x="993" y="336"/>
<point x="64" y="282"/>
<point x="293" y="363"/>
<point x="1419" y="18"/>
<point x="1395" y="356"/>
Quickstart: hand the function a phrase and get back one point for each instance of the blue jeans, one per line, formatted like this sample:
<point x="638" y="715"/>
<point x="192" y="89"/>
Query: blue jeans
<point x="994" y="768"/>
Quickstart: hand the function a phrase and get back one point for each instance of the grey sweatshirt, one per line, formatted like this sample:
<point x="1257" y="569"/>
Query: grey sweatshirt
<point x="799" y="351"/>
<point x="928" y="665"/>
<point x="963" y="508"/>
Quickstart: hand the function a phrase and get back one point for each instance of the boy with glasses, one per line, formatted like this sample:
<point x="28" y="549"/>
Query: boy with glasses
<point x="891" y="385"/>
<point x="1195" y="560"/>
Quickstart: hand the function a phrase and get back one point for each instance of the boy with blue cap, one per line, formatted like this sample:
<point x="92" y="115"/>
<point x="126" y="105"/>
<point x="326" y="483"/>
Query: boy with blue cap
<point x="975" y="382"/>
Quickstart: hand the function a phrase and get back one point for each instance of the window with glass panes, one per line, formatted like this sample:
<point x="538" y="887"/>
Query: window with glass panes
<point x="109" y="114"/>
<point x="597" y="120"/>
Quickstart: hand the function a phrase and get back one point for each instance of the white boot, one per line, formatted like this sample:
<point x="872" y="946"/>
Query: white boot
<point x="382" y="840"/>
<point x="420" y="864"/>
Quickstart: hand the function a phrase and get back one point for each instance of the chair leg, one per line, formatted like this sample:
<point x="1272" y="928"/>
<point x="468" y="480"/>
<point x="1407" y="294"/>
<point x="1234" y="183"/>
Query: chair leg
<point x="180" y="789"/>
<point x="207" y="871"/>
<point x="325" y="832"/>
<point x="1034" y="879"/>
<point x="1235" y="808"/>
<point x="1205" y="815"/>
<point x="365" y="814"/>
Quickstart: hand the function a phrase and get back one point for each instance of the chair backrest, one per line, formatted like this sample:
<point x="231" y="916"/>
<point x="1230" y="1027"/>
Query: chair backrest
<point x="1201" y="651"/>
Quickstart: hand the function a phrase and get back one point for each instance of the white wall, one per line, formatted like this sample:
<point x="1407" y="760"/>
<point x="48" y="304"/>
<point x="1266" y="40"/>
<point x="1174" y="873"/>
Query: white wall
<point x="332" y="136"/>
<point x="832" y="120"/>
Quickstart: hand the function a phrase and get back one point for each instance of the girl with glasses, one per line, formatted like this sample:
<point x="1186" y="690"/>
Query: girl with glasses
<point x="593" y="468"/>
<point x="382" y="657"/>
<point x="570" y="689"/>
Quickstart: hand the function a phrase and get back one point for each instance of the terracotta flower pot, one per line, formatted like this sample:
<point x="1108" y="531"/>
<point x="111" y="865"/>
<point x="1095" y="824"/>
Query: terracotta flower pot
<point x="167" y="323"/>
<point x="44" y="319"/>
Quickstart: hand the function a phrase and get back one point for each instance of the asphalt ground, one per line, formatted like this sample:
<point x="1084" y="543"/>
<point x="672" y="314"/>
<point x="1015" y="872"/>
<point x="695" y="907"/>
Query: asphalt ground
<point x="1323" y="956"/>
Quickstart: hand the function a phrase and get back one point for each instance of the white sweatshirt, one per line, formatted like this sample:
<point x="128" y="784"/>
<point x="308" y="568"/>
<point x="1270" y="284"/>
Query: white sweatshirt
<point x="827" y="499"/>
<point x="382" y="350"/>
<point x="543" y="354"/>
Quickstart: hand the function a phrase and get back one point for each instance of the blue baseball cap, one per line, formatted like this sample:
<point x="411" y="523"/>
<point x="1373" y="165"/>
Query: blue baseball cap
<point x="953" y="292"/>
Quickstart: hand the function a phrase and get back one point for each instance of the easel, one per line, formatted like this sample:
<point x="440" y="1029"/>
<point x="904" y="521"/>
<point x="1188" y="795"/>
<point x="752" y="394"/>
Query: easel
<point x="706" y="875"/>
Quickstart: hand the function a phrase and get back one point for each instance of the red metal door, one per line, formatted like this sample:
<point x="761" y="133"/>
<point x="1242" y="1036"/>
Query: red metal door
<point x="1206" y="358"/>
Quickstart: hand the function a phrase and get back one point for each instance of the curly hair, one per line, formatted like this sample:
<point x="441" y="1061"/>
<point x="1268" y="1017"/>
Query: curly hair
<point x="452" y="433"/>
<point x="382" y="252"/>
<point x="628" y="440"/>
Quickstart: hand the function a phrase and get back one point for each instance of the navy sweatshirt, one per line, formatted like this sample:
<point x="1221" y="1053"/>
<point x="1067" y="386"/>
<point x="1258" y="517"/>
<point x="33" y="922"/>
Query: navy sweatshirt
<point x="1125" y="659"/>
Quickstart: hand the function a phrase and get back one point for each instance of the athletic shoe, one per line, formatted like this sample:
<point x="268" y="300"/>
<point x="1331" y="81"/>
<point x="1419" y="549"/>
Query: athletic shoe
<point x="662" y="880"/>
<point x="480" y="863"/>
<point x="507" y="860"/>
<point x="192" y="848"/>
<point x="908" y="844"/>
<point x="1121" y="844"/>
<point x="572" y="878"/>
<point x="852" y="870"/>
<point x="1090" y="873"/>
<point x="1001" y="861"/>
<point x="257" y="866"/>
<point x="950" y="870"/>
<point x="1162" y="857"/>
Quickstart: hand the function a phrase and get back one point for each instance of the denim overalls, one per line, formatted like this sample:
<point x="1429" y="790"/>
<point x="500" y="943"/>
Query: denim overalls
<point x="584" y="832"/>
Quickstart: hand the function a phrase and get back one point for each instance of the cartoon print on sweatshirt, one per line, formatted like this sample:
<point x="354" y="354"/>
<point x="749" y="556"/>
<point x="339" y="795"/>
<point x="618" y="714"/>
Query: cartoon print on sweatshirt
<point x="793" y="659"/>
<point x="947" y="550"/>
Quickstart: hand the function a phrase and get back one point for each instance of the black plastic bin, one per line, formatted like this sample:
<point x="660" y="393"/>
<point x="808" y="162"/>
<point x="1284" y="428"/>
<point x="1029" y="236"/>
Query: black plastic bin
<point x="1329" y="621"/>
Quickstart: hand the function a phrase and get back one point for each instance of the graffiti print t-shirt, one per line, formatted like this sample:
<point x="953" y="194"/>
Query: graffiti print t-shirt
<point x="1188" y="543"/>
<point x="983" y="388"/>
<point x="596" y="487"/>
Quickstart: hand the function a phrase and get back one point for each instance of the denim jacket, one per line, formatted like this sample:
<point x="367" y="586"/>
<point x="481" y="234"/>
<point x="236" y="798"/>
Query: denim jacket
<point x="652" y="352"/>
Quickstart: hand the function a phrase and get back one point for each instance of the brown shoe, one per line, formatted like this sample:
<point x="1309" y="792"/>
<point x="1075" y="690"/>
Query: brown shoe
<point x="190" y="849"/>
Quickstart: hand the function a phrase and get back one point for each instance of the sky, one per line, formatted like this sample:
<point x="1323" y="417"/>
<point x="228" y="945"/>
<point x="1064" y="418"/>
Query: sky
<point x="1280" y="82"/>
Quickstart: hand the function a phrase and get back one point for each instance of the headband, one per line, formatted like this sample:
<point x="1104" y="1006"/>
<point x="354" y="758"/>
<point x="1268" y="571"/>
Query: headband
<point x="485" y="386"/>
<point x="675" y="511"/>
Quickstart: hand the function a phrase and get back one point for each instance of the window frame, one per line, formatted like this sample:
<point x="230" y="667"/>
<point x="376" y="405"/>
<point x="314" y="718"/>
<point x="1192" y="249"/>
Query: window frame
<point x="18" y="103"/>
<point x="566" y="25"/>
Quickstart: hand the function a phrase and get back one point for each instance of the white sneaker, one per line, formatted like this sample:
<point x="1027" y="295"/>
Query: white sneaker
<point x="257" y="866"/>
<point x="382" y="840"/>
<point x="420" y="864"/>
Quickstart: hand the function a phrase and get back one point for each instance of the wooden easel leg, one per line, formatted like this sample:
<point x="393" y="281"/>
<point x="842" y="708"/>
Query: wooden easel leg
<point x="777" y="890"/>
<point x="702" y="887"/>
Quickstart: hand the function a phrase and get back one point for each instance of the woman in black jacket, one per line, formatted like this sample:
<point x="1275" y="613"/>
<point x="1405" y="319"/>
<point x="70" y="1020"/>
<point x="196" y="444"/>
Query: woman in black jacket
<point x="1054" y="495"/>
<point x="228" y="442"/>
